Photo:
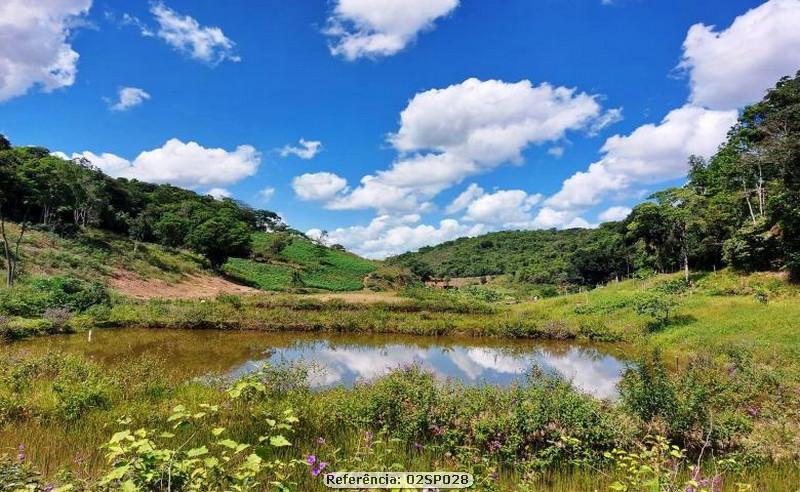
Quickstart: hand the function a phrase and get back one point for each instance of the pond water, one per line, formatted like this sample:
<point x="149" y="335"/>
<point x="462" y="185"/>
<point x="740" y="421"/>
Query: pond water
<point x="344" y="359"/>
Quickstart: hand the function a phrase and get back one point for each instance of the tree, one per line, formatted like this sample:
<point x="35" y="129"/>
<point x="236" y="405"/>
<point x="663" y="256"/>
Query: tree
<point x="11" y="248"/>
<point x="220" y="237"/>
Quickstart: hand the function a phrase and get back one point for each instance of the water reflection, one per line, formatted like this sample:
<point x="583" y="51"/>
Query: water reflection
<point x="345" y="359"/>
<point x="589" y="370"/>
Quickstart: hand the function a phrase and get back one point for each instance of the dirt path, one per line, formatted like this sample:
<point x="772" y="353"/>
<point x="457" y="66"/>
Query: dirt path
<point x="193" y="286"/>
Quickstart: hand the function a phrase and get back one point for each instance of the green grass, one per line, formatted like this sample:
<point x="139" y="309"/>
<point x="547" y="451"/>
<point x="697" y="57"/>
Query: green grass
<point x="95" y="255"/>
<point x="318" y="267"/>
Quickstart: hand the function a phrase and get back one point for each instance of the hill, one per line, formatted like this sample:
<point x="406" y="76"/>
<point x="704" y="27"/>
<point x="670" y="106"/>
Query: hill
<point x="67" y="218"/>
<point x="549" y="257"/>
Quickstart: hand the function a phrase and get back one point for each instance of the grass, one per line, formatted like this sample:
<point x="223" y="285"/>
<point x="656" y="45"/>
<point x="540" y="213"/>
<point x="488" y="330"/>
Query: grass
<point x="64" y="407"/>
<point x="95" y="255"/>
<point x="317" y="267"/>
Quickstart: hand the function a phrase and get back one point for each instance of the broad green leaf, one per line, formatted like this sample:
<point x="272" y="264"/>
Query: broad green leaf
<point x="279" y="441"/>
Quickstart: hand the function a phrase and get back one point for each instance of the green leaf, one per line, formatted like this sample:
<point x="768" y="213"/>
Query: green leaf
<point x="217" y="431"/>
<point x="119" y="436"/>
<point x="192" y="453"/>
<point x="228" y="443"/>
<point x="279" y="441"/>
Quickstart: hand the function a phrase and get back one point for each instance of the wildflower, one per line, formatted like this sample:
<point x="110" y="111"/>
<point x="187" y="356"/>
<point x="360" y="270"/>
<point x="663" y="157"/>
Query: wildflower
<point x="318" y="469"/>
<point x="368" y="437"/>
<point x="311" y="459"/>
<point x="418" y="446"/>
<point x="21" y="456"/>
<point x="495" y="446"/>
<point x="493" y="475"/>
<point x="320" y="441"/>
<point x="438" y="430"/>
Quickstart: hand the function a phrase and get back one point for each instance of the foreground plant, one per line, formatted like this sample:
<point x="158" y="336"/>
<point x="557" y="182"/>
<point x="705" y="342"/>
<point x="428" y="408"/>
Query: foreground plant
<point x="145" y="459"/>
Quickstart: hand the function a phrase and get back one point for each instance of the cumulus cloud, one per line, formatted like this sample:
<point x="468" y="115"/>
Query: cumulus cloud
<point x="614" y="213"/>
<point x="186" y="35"/>
<point x="509" y="208"/>
<point x="651" y="153"/>
<point x="130" y="97"/>
<point x="306" y="149"/>
<point x="182" y="164"/>
<point x="466" y="197"/>
<point x="219" y="193"/>
<point x="318" y="186"/>
<point x="556" y="152"/>
<point x="448" y="134"/>
<point x="735" y="66"/>
<point x="34" y="45"/>
<point x="375" y="28"/>
<point x="389" y="235"/>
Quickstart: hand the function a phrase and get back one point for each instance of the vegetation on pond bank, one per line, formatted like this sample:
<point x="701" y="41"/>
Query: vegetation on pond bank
<point x="63" y="409"/>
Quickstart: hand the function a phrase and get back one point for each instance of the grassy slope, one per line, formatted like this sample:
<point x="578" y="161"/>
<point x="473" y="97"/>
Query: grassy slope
<point x="318" y="267"/>
<point x="96" y="255"/>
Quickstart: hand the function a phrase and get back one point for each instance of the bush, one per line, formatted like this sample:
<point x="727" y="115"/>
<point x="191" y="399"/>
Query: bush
<point x="655" y="305"/>
<point x="34" y="298"/>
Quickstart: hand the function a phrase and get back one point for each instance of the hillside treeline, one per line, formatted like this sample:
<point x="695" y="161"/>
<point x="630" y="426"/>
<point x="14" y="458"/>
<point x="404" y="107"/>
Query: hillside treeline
<point x="740" y="208"/>
<point x="42" y="190"/>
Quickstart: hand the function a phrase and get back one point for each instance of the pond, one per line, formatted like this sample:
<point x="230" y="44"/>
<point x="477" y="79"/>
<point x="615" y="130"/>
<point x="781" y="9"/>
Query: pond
<point x="338" y="359"/>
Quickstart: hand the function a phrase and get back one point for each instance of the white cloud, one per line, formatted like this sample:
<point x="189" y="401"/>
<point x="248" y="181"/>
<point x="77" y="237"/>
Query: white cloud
<point x="387" y="235"/>
<point x="548" y="218"/>
<point x="318" y="186"/>
<point x="449" y="134"/>
<point x="130" y="97"/>
<point x="491" y="121"/>
<point x="219" y="193"/>
<point x="306" y="150"/>
<point x="735" y="66"/>
<point x="266" y="194"/>
<point x="556" y="152"/>
<point x="509" y="208"/>
<point x="34" y="45"/>
<point x="466" y="197"/>
<point x="373" y="28"/>
<point x="614" y="213"/>
<point x="186" y="35"/>
<point x="651" y="153"/>
<point x="182" y="164"/>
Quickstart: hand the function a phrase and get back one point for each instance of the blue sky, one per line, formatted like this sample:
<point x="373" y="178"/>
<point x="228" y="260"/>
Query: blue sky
<point x="536" y="113"/>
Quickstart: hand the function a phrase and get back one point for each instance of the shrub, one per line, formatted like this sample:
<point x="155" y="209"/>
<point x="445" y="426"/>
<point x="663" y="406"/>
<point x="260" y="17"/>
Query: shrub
<point x="35" y="297"/>
<point x="655" y="305"/>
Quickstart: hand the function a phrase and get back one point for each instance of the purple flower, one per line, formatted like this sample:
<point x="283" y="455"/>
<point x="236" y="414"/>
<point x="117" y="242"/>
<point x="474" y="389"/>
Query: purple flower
<point x="495" y="446"/>
<point x="418" y="446"/>
<point x="493" y="475"/>
<point x="21" y="456"/>
<point x="311" y="459"/>
<point x="318" y="469"/>
<point x="438" y="430"/>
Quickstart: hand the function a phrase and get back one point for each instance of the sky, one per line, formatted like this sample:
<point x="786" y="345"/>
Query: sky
<point x="394" y="124"/>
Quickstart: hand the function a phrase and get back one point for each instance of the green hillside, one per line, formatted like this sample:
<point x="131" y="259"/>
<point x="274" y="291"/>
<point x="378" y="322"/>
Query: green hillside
<point x="284" y="260"/>
<point x="537" y="257"/>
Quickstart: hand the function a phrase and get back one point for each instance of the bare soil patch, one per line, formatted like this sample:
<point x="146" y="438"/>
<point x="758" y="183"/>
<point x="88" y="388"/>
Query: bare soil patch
<point x="193" y="286"/>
